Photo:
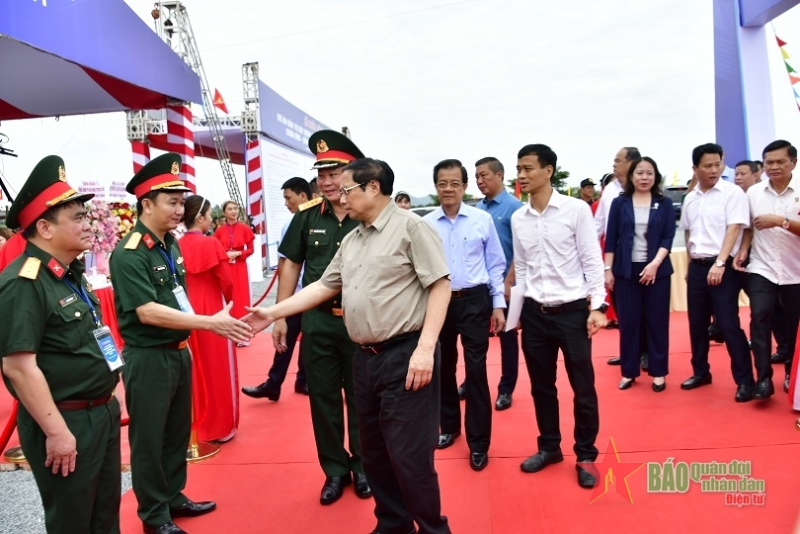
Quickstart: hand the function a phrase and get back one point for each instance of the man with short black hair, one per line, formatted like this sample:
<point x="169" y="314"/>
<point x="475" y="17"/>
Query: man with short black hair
<point x="500" y="204"/>
<point x="558" y="260"/>
<point x="296" y="193"/>
<point x="712" y="217"/>
<point x="393" y="275"/>
<point x="476" y="261"/>
<point x="774" y="259"/>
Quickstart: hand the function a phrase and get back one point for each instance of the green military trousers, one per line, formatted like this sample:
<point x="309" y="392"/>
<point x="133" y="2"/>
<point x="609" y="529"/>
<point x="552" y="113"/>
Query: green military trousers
<point x="327" y="353"/>
<point x="158" y="394"/>
<point x="86" y="500"/>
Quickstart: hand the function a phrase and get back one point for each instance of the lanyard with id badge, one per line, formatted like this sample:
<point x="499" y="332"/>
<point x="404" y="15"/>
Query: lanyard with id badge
<point x="102" y="334"/>
<point x="178" y="291"/>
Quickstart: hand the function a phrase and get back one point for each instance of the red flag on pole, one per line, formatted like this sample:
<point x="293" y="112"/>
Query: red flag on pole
<point x="780" y="42"/>
<point x="219" y="102"/>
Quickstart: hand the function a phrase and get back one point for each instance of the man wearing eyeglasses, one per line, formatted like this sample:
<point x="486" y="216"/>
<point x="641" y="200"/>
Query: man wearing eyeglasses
<point x="476" y="261"/>
<point x="313" y="238"/>
<point x="393" y="277"/>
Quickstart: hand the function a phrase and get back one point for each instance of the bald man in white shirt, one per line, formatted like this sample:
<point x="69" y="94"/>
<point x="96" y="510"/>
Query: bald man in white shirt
<point x="557" y="257"/>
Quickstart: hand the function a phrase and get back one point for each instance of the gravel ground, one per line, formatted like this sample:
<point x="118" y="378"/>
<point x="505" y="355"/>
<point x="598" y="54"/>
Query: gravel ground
<point x="21" y="509"/>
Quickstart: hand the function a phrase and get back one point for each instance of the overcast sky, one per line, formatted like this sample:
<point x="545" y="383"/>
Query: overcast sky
<point x="423" y="80"/>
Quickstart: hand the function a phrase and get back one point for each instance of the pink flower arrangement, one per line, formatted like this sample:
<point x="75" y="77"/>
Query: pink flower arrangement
<point x="105" y="226"/>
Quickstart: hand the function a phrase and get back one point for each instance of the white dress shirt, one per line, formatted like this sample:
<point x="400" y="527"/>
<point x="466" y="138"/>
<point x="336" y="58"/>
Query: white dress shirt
<point x="473" y="250"/>
<point x="556" y="252"/>
<point x="775" y="252"/>
<point x="708" y="215"/>
<point x="611" y="191"/>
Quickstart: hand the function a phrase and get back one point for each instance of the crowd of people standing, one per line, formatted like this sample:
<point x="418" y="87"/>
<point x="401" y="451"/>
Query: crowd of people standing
<point x="386" y="296"/>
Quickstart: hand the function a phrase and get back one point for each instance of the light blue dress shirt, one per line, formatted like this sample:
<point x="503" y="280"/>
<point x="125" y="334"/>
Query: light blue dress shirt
<point x="473" y="250"/>
<point x="500" y="208"/>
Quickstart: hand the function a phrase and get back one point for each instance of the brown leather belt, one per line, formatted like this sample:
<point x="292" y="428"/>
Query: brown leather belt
<point x="456" y="293"/>
<point x="71" y="405"/>
<point x="377" y="348"/>
<point x="581" y="304"/>
<point x="178" y="345"/>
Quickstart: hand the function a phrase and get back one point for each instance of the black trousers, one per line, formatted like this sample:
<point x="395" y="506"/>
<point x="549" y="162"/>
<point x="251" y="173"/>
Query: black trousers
<point x="642" y="327"/>
<point x="399" y="429"/>
<point x="542" y="336"/>
<point x="633" y="298"/>
<point x="763" y="296"/>
<point x="778" y="323"/>
<point x="722" y="301"/>
<point x="281" y="360"/>
<point x="509" y="360"/>
<point x="467" y="316"/>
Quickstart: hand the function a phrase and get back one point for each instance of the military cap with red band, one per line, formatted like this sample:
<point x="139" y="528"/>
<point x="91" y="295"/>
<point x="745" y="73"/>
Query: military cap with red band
<point x="332" y="149"/>
<point x="159" y="174"/>
<point x="45" y="188"/>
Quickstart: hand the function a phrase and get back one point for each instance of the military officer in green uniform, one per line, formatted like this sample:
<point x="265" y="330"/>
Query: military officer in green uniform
<point x="155" y="319"/>
<point x="52" y="344"/>
<point x="313" y="237"/>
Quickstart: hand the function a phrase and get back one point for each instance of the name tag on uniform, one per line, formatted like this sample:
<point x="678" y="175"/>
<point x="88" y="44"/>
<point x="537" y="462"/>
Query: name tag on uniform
<point x="108" y="348"/>
<point x="68" y="300"/>
<point x="318" y="231"/>
<point x="183" y="300"/>
<point x="159" y="268"/>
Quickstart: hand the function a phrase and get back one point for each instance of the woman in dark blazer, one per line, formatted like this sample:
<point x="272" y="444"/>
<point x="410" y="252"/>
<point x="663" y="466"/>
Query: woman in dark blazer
<point x="641" y="227"/>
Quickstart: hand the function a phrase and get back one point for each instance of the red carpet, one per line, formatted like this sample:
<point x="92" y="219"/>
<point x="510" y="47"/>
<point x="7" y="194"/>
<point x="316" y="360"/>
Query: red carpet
<point x="267" y="479"/>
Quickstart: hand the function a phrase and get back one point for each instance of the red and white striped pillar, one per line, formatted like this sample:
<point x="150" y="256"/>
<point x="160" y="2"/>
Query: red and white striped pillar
<point x="141" y="154"/>
<point x="180" y="138"/>
<point x="255" y="192"/>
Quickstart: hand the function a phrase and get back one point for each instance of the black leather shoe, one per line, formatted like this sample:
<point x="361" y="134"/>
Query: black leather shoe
<point x="503" y="402"/>
<point x="697" y="381"/>
<point x="412" y="531"/>
<point x="658" y="388"/>
<point x="446" y="440"/>
<point x="715" y="334"/>
<point x="764" y="389"/>
<point x="585" y="478"/>
<point x="261" y="391"/>
<point x="644" y="360"/>
<point x="626" y="384"/>
<point x="786" y="384"/>
<point x="166" y="528"/>
<point x="193" y="509"/>
<point x="362" y="488"/>
<point x="778" y="358"/>
<point x="462" y="389"/>
<point x="301" y="388"/>
<point x="333" y="489"/>
<point x="614" y="361"/>
<point x="540" y="460"/>
<point x="478" y="461"/>
<point x="744" y="393"/>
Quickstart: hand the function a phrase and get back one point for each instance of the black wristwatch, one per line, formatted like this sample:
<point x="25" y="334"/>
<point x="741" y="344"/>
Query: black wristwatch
<point x="603" y="308"/>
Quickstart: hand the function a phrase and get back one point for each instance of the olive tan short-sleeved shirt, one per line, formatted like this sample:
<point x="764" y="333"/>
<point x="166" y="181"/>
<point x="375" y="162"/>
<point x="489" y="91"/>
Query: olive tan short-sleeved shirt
<point x="41" y="311"/>
<point x="384" y="271"/>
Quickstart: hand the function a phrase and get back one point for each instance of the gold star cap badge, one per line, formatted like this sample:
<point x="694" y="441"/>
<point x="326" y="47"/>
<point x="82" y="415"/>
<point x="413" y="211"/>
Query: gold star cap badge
<point x="176" y="169"/>
<point x="322" y="146"/>
<point x="62" y="174"/>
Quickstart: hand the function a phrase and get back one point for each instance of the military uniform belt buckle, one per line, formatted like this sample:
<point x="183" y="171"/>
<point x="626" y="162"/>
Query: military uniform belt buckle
<point x="337" y="312"/>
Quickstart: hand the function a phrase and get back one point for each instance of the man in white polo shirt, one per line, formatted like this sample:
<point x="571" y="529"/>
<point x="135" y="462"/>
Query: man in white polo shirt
<point x="713" y="216"/>
<point x="774" y="258"/>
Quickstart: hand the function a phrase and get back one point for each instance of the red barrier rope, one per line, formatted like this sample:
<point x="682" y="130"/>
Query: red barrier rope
<point x="272" y="283"/>
<point x="11" y="424"/>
